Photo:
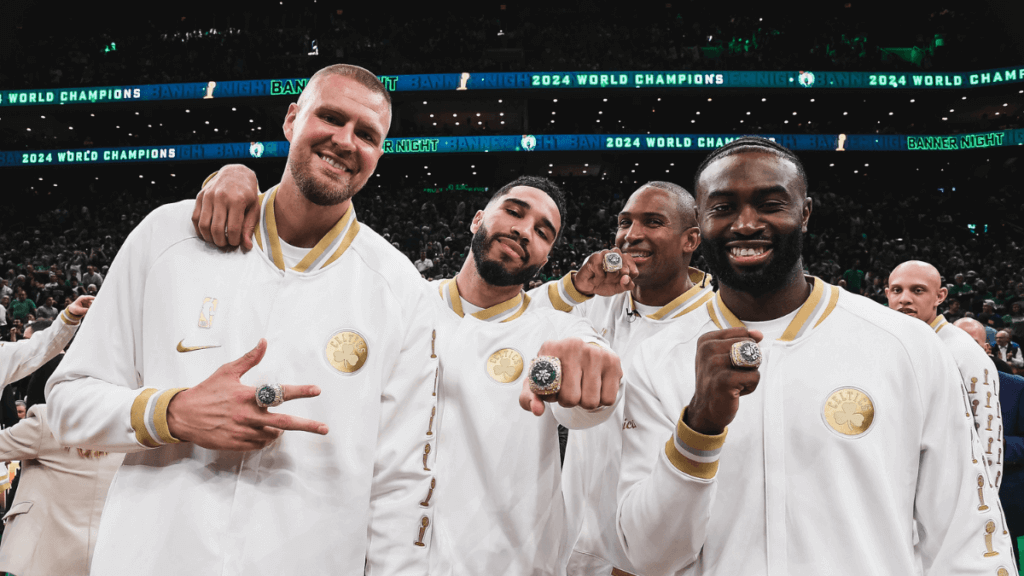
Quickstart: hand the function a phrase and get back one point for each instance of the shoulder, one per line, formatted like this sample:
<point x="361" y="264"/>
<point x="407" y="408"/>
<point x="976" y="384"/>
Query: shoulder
<point x="678" y="339"/>
<point x="874" y="317"/>
<point x="390" y="265"/>
<point x="164" y="227"/>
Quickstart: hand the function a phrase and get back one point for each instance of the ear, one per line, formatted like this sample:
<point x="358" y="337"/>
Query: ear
<point x="886" y="292"/>
<point x="691" y="240"/>
<point x="289" y="120"/>
<point x="943" y="292"/>
<point x="477" y="219"/>
<point x="806" y="213"/>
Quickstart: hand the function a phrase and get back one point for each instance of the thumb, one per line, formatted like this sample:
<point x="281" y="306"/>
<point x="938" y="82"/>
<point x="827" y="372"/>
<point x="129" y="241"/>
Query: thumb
<point x="757" y="335"/>
<point x="249" y="226"/>
<point x="251" y="358"/>
<point x="530" y="402"/>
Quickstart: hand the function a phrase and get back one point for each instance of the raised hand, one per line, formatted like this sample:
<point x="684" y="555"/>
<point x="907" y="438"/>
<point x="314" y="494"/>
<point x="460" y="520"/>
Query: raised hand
<point x="720" y="384"/>
<point x="220" y="413"/>
<point x="593" y="279"/>
<point x="81" y="305"/>
<point x="590" y="376"/>
<point x="226" y="211"/>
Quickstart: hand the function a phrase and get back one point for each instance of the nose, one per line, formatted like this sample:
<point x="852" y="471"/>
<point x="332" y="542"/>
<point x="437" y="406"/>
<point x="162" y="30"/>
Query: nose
<point x="344" y="137"/>
<point x="747" y="221"/>
<point x="634" y="234"/>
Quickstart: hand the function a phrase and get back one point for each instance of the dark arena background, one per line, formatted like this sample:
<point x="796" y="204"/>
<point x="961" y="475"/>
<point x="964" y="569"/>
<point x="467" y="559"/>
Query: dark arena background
<point x="906" y="115"/>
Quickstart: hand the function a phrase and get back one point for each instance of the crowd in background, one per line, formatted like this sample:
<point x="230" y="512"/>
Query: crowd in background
<point x="684" y="35"/>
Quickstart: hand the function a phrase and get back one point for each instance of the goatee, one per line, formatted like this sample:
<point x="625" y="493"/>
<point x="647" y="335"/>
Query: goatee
<point x="493" y="271"/>
<point x="770" y="277"/>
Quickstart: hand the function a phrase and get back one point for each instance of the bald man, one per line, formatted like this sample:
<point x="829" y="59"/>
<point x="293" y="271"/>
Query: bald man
<point x="915" y="289"/>
<point x="656" y="236"/>
<point x="977" y="331"/>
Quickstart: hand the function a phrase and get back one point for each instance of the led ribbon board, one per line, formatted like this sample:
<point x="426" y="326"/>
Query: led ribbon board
<point x="525" y="81"/>
<point x="525" y="143"/>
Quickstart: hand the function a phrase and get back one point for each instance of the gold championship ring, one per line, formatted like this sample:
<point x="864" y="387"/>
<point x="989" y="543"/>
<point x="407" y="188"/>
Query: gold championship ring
<point x="612" y="262"/>
<point x="745" y="354"/>
<point x="545" y="375"/>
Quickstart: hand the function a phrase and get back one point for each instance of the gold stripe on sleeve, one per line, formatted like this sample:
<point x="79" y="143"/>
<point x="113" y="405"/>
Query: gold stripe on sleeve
<point x="571" y="290"/>
<point x="139" y="418"/>
<point x="556" y="299"/>
<point x="696" y="440"/>
<point x="68" y="318"/>
<point x="703" y="470"/>
<point x="163" y="431"/>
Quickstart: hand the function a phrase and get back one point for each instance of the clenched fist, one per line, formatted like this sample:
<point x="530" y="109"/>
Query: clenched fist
<point x="720" y="384"/>
<point x="590" y="376"/>
<point x="592" y="278"/>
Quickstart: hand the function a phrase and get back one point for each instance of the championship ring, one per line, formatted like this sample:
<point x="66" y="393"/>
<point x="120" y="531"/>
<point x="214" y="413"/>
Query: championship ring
<point x="745" y="354"/>
<point x="268" y="395"/>
<point x="612" y="262"/>
<point x="545" y="375"/>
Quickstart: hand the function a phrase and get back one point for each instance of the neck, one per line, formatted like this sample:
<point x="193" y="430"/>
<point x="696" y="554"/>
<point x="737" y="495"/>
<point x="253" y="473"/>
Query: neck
<point x="300" y="222"/>
<point x="776" y="304"/>
<point x="477" y="291"/>
<point x="662" y="292"/>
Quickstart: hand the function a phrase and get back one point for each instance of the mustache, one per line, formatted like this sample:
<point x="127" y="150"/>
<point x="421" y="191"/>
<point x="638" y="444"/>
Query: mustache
<point x="496" y="235"/>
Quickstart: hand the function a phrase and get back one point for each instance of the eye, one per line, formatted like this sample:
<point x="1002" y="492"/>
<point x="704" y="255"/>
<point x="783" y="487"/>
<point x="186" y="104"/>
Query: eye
<point x="512" y="212"/>
<point x="624" y="223"/>
<point x="542" y="233"/>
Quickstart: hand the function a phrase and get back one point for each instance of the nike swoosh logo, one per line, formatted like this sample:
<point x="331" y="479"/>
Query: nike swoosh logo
<point x="193" y="348"/>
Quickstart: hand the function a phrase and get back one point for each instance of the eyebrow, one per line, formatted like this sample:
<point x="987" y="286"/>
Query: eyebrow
<point x="777" y="189"/>
<point x="628" y="213"/>
<point x="543" y="219"/>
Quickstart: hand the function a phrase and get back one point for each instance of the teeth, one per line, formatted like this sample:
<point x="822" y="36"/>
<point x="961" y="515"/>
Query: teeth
<point x="747" y="251"/>
<point x="638" y="254"/>
<point x="333" y="163"/>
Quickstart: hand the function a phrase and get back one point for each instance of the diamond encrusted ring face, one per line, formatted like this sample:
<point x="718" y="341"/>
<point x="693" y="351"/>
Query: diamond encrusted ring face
<point x="545" y="375"/>
<point x="612" y="262"/>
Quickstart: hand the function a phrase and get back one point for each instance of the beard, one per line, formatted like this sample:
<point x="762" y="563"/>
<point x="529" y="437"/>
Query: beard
<point x="318" y="192"/>
<point x="770" y="277"/>
<point x="493" y="271"/>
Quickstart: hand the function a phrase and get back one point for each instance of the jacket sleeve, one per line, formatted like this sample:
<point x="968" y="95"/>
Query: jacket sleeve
<point x="22" y="441"/>
<point x="19" y="359"/>
<point x="960" y="522"/>
<point x="978" y="367"/>
<point x="95" y="397"/>
<point x="561" y="295"/>
<point x="667" y="480"/>
<point x="401" y="479"/>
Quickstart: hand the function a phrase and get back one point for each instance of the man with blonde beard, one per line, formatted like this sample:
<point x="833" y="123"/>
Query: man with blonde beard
<point x="915" y="289"/>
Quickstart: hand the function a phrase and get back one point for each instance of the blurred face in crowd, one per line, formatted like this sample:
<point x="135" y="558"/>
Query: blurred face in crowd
<point x="959" y="279"/>
<point x="987" y="308"/>
<point x="659" y="232"/>
<point x="1002" y="338"/>
<point x="954" y="306"/>
<point x="21" y="411"/>
<point x="513" y="235"/>
<point x="336" y="131"/>
<point x="914" y="289"/>
<point x="753" y="211"/>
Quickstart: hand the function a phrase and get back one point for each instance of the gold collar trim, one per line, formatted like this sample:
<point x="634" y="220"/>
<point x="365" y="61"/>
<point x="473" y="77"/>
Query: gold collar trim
<point x="326" y="251"/>
<point x="504" y="312"/>
<point x="819" y="304"/>
<point x="939" y="323"/>
<point x="686" y="302"/>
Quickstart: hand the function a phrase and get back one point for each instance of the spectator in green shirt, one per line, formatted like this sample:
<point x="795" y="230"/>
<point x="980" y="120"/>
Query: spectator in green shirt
<point x="854" y="278"/>
<point x="22" y="306"/>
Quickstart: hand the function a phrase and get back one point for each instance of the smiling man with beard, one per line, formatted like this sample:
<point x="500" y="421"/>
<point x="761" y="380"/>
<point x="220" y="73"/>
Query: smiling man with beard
<point x="656" y="235"/>
<point x="495" y="502"/>
<point x="846" y="427"/>
<point x="187" y="346"/>
<point x="915" y="289"/>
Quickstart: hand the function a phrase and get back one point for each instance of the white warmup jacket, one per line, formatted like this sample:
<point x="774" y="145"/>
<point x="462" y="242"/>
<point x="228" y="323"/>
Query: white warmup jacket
<point x="857" y="429"/>
<point x="498" y="498"/>
<point x="22" y="358"/>
<point x="171" y="312"/>
<point x="590" y="473"/>
<point x="981" y="382"/>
